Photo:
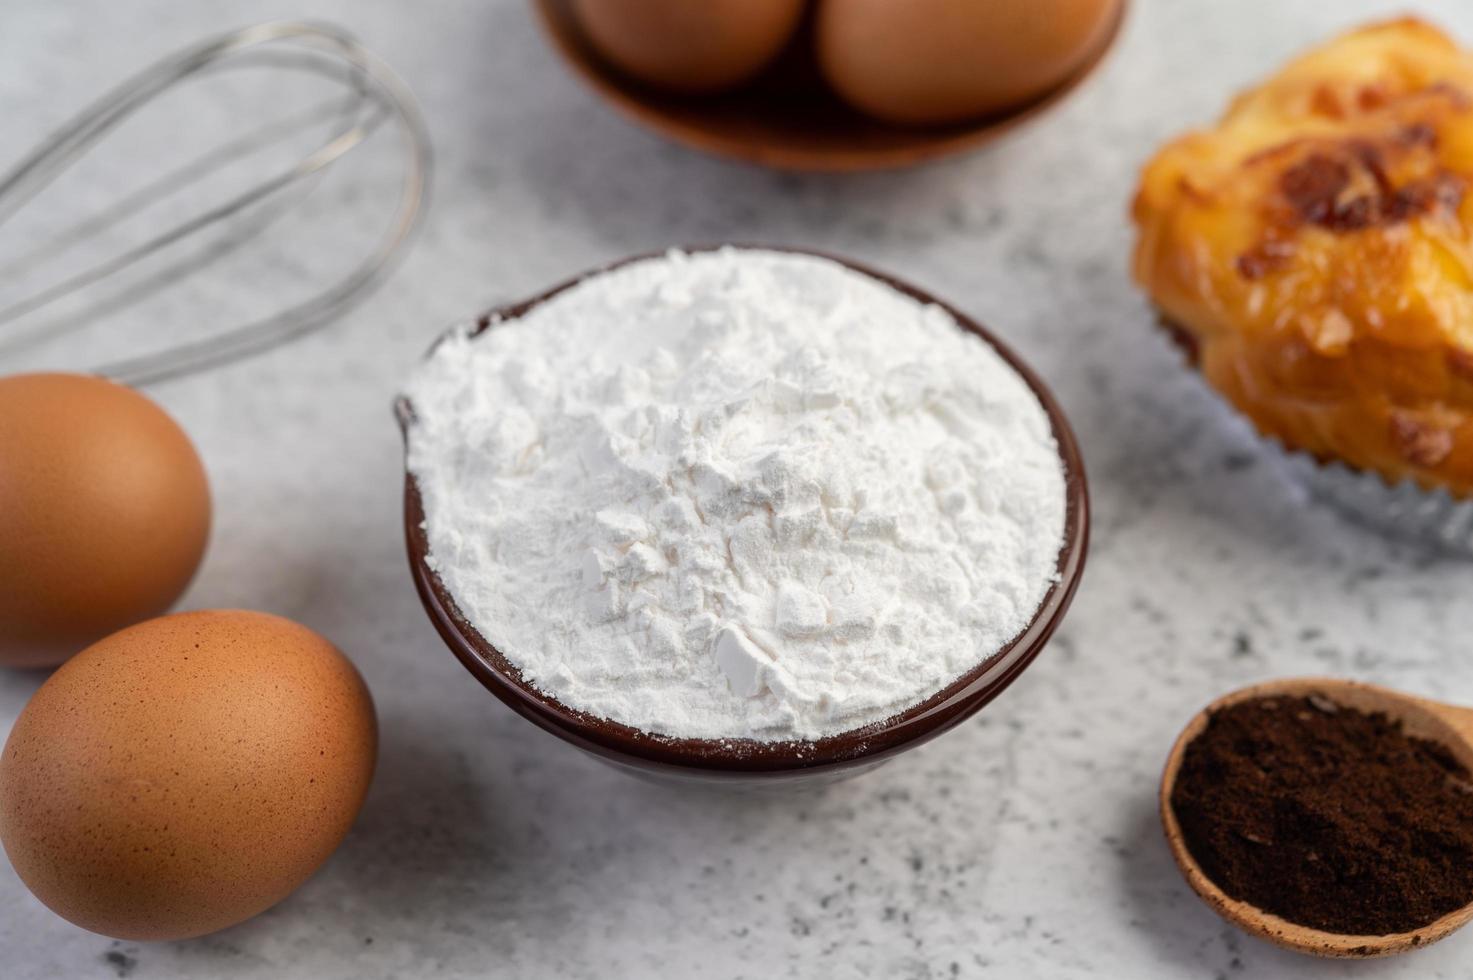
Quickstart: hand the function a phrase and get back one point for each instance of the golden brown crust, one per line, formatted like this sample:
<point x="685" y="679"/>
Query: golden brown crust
<point x="1315" y="249"/>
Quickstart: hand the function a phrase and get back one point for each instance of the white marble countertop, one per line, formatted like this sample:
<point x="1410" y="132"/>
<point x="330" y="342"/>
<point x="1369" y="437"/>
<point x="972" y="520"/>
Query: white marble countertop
<point x="1025" y="843"/>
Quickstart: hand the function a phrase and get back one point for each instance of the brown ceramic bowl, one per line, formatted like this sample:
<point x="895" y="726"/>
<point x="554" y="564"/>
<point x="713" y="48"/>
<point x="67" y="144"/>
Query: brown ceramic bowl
<point x="739" y="760"/>
<point x="786" y="117"/>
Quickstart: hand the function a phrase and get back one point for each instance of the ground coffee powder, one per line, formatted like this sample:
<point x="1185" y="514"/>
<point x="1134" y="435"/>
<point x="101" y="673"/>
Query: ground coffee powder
<point x="1327" y="816"/>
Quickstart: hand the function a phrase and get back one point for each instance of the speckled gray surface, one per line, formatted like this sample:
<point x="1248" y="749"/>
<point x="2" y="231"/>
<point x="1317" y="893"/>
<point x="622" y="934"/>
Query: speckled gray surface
<point x="1023" y="844"/>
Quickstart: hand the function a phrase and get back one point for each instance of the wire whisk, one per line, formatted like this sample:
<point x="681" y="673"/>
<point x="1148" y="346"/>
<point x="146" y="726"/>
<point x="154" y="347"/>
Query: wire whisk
<point x="372" y="95"/>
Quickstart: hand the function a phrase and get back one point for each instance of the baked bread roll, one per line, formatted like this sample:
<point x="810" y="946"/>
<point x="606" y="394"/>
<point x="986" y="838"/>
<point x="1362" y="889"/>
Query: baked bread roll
<point x="1312" y="253"/>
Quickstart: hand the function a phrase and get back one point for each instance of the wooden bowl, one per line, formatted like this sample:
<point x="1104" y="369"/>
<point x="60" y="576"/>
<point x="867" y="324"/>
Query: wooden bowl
<point x="787" y="118"/>
<point x="1449" y="725"/>
<point x="746" y="761"/>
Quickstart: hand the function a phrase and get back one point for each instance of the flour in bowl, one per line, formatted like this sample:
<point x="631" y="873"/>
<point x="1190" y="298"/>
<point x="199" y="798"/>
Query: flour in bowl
<point x="736" y="494"/>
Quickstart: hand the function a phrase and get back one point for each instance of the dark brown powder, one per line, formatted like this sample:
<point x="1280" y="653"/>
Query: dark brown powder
<point x="1327" y="816"/>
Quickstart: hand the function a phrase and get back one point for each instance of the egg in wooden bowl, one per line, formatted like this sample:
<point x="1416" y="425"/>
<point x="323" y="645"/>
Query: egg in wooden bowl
<point x="690" y="47"/>
<point x="934" y="62"/>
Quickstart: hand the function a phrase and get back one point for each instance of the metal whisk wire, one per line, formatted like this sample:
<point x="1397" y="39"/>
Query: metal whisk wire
<point x="375" y="96"/>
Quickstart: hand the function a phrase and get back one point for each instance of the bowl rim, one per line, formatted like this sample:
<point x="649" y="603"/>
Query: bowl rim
<point x="651" y="110"/>
<point x="734" y="757"/>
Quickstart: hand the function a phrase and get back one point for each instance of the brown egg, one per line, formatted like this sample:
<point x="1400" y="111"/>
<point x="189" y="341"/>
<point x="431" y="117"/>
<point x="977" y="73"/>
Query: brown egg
<point x="185" y="774"/>
<point x="104" y="513"/>
<point x="941" y="61"/>
<point x="686" y="46"/>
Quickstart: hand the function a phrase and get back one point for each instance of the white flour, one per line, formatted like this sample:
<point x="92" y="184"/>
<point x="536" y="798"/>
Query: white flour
<point x="737" y="494"/>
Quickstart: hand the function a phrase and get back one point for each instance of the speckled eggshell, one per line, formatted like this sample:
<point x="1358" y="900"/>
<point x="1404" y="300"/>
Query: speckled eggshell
<point x="186" y="773"/>
<point x="104" y="513"/>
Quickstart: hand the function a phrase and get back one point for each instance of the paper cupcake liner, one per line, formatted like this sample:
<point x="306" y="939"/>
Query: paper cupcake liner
<point x="1403" y="510"/>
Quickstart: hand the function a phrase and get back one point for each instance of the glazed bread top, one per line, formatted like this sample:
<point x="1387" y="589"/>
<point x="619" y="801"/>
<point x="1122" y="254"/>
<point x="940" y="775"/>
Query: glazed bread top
<point x="1312" y="253"/>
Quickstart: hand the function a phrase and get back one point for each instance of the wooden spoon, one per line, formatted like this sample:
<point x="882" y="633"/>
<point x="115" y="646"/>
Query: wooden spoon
<point x="1450" y="725"/>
